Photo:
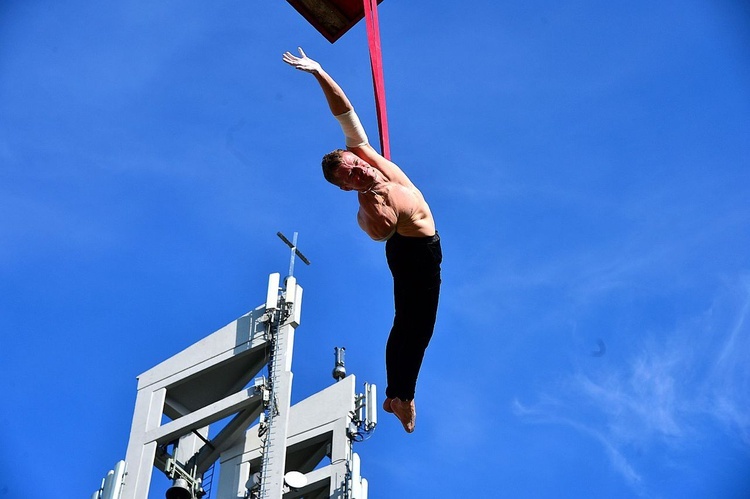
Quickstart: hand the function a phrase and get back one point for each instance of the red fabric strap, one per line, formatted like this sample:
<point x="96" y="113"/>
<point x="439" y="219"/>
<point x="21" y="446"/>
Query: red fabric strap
<point x="376" y="62"/>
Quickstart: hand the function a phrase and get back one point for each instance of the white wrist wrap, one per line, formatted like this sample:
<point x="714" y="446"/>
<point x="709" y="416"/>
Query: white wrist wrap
<point x="352" y="128"/>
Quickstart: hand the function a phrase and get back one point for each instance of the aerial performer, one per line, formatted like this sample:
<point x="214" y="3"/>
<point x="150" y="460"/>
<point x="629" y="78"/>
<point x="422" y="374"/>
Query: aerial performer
<point x="393" y="210"/>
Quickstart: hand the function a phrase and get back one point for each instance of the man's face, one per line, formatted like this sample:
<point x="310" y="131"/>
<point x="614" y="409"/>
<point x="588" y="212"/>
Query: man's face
<point x="354" y="174"/>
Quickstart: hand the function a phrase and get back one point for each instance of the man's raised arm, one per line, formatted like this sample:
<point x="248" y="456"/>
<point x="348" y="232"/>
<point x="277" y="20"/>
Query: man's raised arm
<point x="337" y="100"/>
<point x="343" y="111"/>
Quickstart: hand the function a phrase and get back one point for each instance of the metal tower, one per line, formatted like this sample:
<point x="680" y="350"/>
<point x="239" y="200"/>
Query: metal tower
<point x="303" y="450"/>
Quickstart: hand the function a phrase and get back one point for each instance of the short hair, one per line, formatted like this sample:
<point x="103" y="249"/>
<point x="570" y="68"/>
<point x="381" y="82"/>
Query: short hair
<point x="331" y="162"/>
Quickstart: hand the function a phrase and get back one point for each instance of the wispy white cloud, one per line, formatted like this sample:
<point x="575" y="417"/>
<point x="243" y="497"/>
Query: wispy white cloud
<point x="673" y="390"/>
<point x="735" y="333"/>
<point x="728" y="384"/>
<point x="545" y="414"/>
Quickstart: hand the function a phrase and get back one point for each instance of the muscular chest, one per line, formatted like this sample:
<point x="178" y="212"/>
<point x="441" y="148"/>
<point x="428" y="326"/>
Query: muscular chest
<point x="387" y="205"/>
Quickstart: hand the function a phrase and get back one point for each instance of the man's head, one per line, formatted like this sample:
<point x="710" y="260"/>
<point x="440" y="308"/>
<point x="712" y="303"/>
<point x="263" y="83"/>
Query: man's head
<point x="331" y="162"/>
<point x="347" y="171"/>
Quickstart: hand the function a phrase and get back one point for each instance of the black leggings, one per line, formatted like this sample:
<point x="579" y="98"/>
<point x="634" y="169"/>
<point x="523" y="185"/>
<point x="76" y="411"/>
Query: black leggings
<point x="415" y="265"/>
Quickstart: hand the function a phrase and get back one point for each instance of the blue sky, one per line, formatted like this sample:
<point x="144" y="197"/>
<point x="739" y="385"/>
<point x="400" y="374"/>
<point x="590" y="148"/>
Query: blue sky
<point x="587" y="166"/>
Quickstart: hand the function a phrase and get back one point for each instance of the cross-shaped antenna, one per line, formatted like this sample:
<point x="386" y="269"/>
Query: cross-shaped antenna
<point x="295" y="251"/>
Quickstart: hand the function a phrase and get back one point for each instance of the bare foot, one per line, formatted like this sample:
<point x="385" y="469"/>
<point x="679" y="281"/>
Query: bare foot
<point x="387" y="405"/>
<point x="406" y="412"/>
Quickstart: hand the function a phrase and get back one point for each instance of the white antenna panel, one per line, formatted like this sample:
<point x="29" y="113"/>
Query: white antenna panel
<point x="272" y="297"/>
<point x="372" y="403"/>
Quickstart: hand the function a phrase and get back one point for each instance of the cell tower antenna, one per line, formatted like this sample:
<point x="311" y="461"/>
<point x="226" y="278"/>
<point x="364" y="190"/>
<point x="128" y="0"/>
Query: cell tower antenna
<point x="295" y="252"/>
<point x="210" y="381"/>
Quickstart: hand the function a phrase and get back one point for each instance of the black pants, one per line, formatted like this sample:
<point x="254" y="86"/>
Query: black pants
<point x="415" y="265"/>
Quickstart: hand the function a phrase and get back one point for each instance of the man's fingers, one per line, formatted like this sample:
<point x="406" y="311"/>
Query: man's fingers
<point x="289" y="59"/>
<point x="303" y="63"/>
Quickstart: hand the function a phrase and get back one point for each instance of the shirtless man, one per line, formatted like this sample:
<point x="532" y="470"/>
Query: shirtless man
<point x="391" y="209"/>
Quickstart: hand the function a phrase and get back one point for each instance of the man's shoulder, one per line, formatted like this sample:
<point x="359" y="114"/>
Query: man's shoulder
<point x="386" y="166"/>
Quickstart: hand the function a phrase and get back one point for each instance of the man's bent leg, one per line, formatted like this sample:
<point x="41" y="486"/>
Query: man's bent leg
<point x="411" y="333"/>
<point x="415" y="265"/>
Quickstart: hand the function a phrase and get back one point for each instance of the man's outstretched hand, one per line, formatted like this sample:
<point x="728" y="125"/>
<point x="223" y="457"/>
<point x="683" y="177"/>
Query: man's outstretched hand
<point x="303" y="63"/>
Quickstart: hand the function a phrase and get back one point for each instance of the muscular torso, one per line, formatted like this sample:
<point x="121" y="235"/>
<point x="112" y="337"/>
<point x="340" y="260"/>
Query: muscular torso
<point x="393" y="207"/>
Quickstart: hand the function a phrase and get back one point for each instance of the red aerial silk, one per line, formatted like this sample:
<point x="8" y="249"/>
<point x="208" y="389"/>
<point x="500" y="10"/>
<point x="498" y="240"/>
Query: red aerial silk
<point x="376" y="62"/>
